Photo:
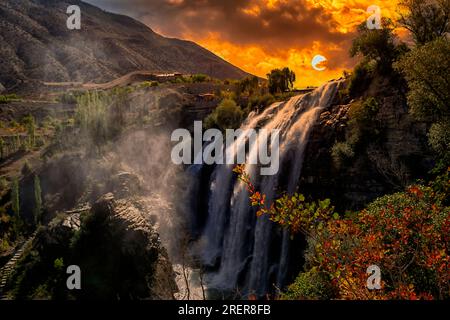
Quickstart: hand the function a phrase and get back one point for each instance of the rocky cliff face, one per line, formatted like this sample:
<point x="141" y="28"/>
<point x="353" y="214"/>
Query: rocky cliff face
<point x="115" y="245"/>
<point x="381" y="166"/>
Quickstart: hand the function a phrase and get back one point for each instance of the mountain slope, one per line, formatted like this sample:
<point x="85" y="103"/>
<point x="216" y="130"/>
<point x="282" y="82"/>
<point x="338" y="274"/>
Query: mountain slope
<point x="36" y="45"/>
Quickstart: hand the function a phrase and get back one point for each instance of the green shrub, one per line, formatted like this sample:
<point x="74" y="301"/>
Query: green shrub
<point x="58" y="264"/>
<point x="439" y="137"/>
<point x="149" y="84"/>
<point x="227" y="115"/>
<point x="360" y="78"/>
<point x="310" y="285"/>
<point x="439" y="140"/>
<point x="9" y="98"/>
<point x="4" y="184"/>
<point x="363" y="125"/>
<point x="68" y="98"/>
<point x="342" y="153"/>
<point x="14" y="124"/>
<point x="48" y="122"/>
<point x="4" y="245"/>
<point x="197" y="78"/>
<point x="362" y="129"/>
<point x="362" y="114"/>
<point x="260" y="101"/>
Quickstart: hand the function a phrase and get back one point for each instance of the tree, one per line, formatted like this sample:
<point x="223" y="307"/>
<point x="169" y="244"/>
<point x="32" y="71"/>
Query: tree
<point x="427" y="71"/>
<point x="427" y="20"/>
<point x="248" y="86"/>
<point x="281" y="80"/>
<point x="15" y="197"/>
<point x="37" y="200"/>
<point x="377" y="45"/>
<point x="30" y="124"/>
<point x="228" y="115"/>
<point x="2" y="148"/>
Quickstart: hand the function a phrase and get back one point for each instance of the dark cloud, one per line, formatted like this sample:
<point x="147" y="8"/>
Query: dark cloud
<point x="292" y="24"/>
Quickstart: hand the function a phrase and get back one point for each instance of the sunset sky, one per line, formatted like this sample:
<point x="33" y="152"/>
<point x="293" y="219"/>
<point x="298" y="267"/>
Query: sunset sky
<point x="260" y="35"/>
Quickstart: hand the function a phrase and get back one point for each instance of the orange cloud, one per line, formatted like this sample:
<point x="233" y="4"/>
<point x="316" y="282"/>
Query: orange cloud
<point x="257" y="60"/>
<point x="260" y="35"/>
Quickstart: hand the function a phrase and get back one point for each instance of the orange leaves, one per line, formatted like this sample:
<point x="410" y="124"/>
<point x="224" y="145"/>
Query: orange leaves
<point x="406" y="234"/>
<point x="414" y="190"/>
<point x="289" y="211"/>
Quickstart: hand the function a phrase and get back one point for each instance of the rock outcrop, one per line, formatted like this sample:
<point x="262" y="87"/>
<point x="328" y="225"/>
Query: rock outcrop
<point x="117" y="231"/>
<point x="114" y="244"/>
<point x="381" y="167"/>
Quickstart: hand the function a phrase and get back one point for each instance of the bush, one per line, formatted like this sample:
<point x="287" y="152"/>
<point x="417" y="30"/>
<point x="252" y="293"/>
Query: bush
<point x="4" y="184"/>
<point x="149" y="84"/>
<point x="362" y="129"/>
<point x="310" y="285"/>
<point x="260" y="101"/>
<point x="227" y="115"/>
<point x="360" y="78"/>
<point x="197" y="78"/>
<point x="362" y="125"/>
<point x="58" y="264"/>
<point x="68" y="98"/>
<point x="9" y="98"/>
<point x="362" y="114"/>
<point x="342" y="153"/>
<point x="407" y="235"/>
<point x="439" y="140"/>
<point x="439" y="137"/>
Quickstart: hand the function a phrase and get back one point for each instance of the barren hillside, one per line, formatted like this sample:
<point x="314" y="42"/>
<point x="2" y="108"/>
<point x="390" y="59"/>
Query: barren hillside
<point x="36" y="45"/>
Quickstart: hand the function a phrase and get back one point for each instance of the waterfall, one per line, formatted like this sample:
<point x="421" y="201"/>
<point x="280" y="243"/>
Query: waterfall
<point x="234" y="240"/>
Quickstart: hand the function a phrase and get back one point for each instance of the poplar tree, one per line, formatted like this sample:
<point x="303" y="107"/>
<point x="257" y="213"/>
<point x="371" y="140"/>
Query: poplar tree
<point x="37" y="200"/>
<point x="15" y="198"/>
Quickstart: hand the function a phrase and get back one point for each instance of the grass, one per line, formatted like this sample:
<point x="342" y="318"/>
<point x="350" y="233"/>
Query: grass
<point x="6" y="98"/>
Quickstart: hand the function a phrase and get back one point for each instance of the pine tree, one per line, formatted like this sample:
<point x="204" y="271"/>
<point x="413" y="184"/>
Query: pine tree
<point x="2" y="149"/>
<point x="17" y="223"/>
<point x="37" y="200"/>
<point x="15" y="197"/>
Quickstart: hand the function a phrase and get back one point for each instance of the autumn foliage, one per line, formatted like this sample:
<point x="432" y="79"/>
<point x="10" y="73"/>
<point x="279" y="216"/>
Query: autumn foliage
<point x="406" y="234"/>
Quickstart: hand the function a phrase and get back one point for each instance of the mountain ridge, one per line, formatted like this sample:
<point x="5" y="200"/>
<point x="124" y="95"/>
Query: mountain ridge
<point x="37" y="46"/>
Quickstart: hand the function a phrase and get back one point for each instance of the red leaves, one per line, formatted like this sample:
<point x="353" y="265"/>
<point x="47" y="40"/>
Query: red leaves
<point x="407" y="235"/>
<point x="414" y="190"/>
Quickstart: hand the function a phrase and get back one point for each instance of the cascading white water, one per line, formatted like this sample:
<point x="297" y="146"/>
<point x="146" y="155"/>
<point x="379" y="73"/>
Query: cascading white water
<point x="231" y="232"/>
<point x="219" y="202"/>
